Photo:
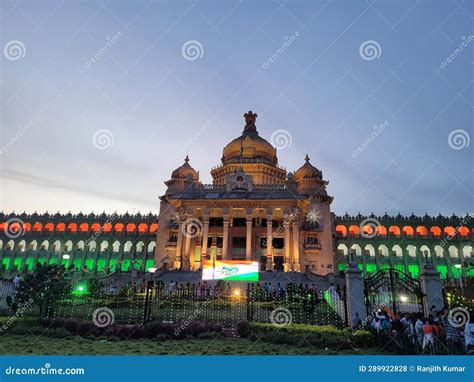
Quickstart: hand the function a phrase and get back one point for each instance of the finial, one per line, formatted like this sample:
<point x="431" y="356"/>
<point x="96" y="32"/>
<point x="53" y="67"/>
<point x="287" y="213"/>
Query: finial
<point x="306" y="158"/>
<point x="250" y="118"/>
<point x="186" y="160"/>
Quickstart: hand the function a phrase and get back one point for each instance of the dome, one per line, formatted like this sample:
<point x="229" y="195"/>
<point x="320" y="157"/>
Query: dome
<point x="249" y="147"/>
<point x="307" y="171"/>
<point x="185" y="169"/>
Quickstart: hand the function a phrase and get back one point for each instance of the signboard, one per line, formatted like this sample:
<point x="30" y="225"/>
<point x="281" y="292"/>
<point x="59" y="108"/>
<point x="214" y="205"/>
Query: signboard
<point x="230" y="270"/>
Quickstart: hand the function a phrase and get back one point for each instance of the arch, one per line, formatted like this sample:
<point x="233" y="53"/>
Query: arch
<point x="27" y="227"/>
<point x="95" y="227"/>
<point x="44" y="245"/>
<point x="368" y="230"/>
<point x="10" y="245"/>
<point x="151" y="246"/>
<point x="408" y="231"/>
<point x="118" y="228"/>
<point x="83" y="227"/>
<point x="383" y="251"/>
<point x="153" y="228"/>
<point x="21" y="246"/>
<point x="450" y="231"/>
<point x="453" y="252"/>
<point x="80" y="245"/>
<point x="60" y="227"/>
<point x="57" y="246"/>
<point x="425" y="252"/>
<point x="107" y="227"/>
<point x="467" y="252"/>
<point x="104" y="246"/>
<point x="49" y="227"/>
<point x="72" y="227"/>
<point x="128" y="246"/>
<point x="37" y="227"/>
<point x="439" y="252"/>
<point x="92" y="246"/>
<point x="131" y="228"/>
<point x="1" y="245"/>
<point x="435" y="231"/>
<point x="140" y="247"/>
<point x="381" y="231"/>
<point x="342" y="250"/>
<point x="116" y="246"/>
<point x="142" y="228"/>
<point x="463" y="231"/>
<point x="397" y="251"/>
<point x="341" y="230"/>
<point x="370" y="249"/>
<point x="354" y="230"/>
<point x="68" y="246"/>
<point x="411" y="250"/>
<point x="421" y="231"/>
<point x="394" y="230"/>
<point x="33" y="245"/>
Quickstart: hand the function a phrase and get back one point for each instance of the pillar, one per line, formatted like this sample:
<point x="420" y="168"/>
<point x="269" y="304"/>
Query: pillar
<point x="269" y="265"/>
<point x="179" y="244"/>
<point x="248" y="237"/>
<point x="355" y="293"/>
<point x="205" y="235"/>
<point x="432" y="289"/>
<point x="296" y="247"/>
<point x="187" y="249"/>
<point x="225" y="238"/>
<point x="286" y="226"/>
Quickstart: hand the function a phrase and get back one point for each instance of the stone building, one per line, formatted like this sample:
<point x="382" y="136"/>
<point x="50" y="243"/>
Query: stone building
<point x="253" y="210"/>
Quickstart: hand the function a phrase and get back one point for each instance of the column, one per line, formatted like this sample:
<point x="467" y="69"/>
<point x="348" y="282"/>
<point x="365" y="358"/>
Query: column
<point x="286" y="226"/>
<point x="269" y="265"/>
<point x="205" y="234"/>
<point x="248" y="236"/>
<point x="179" y="244"/>
<point x="296" y="247"/>
<point x="431" y="288"/>
<point x="355" y="293"/>
<point x="187" y="249"/>
<point x="225" y="238"/>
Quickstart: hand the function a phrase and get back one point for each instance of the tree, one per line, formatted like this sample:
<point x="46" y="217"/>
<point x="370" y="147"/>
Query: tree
<point x="44" y="287"/>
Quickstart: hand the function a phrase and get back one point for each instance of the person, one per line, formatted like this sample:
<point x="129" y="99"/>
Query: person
<point x="453" y="334"/>
<point x="428" y="336"/>
<point x="469" y="334"/>
<point x="419" y="328"/>
<point x="356" y="321"/>
<point x="16" y="281"/>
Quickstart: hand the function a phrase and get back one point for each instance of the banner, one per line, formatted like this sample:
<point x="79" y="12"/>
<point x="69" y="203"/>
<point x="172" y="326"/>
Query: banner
<point x="230" y="270"/>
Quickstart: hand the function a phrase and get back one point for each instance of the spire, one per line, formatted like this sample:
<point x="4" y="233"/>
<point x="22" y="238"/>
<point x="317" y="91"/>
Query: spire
<point x="306" y="158"/>
<point x="186" y="160"/>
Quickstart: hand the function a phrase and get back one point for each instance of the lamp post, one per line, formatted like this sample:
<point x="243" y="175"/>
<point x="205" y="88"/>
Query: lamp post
<point x="151" y="271"/>
<point x="459" y="266"/>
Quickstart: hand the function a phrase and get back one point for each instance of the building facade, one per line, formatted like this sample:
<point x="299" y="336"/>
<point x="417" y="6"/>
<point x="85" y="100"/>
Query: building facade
<point x="253" y="210"/>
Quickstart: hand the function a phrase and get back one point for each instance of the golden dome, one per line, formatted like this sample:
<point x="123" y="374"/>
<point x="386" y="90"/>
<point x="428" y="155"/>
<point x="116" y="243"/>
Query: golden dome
<point x="185" y="169"/>
<point x="307" y="171"/>
<point x="249" y="147"/>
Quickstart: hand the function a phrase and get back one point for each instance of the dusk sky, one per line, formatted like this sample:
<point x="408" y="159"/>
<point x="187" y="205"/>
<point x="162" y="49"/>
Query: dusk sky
<point x="102" y="100"/>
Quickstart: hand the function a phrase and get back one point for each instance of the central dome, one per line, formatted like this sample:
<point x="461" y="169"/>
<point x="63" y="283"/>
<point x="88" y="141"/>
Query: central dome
<point x="249" y="147"/>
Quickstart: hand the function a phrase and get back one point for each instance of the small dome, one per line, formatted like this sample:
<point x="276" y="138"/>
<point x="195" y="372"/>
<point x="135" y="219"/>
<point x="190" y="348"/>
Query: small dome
<point x="249" y="146"/>
<point x="184" y="170"/>
<point x="308" y="171"/>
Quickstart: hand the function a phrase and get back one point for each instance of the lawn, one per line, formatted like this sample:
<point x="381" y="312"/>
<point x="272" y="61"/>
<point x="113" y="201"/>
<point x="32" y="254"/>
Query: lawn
<point x="42" y="345"/>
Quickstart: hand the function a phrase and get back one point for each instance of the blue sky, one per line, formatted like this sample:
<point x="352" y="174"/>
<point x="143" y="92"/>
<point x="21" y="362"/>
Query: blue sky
<point x="158" y="102"/>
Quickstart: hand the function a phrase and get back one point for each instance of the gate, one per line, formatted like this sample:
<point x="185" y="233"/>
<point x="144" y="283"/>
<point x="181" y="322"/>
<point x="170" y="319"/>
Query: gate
<point x="395" y="290"/>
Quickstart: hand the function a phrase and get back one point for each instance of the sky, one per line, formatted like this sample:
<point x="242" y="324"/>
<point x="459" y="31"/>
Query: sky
<point x="102" y="100"/>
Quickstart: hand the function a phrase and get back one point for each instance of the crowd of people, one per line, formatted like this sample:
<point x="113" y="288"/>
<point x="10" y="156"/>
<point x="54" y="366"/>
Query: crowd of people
<point x="439" y="333"/>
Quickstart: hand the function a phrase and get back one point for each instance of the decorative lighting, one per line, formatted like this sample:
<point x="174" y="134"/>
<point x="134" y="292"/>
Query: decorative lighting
<point x="458" y="266"/>
<point x="66" y="257"/>
<point x="403" y="298"/>
<point x="152" y="270"/>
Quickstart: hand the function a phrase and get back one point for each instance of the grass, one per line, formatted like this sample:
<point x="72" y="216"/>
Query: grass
<point x="42" y="345"/>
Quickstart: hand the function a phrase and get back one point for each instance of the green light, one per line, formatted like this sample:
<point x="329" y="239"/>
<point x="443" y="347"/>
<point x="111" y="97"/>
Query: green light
<point x="80" y="289"/>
